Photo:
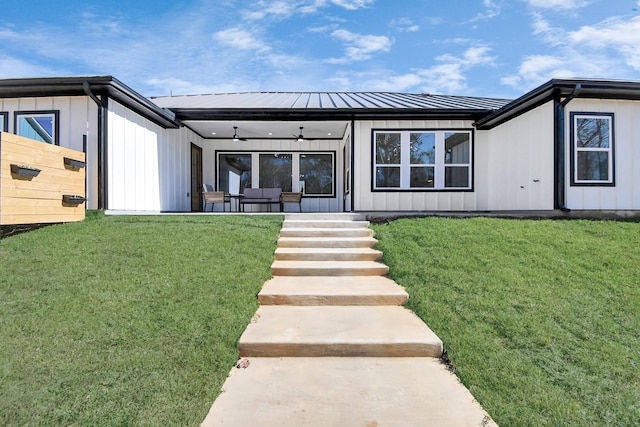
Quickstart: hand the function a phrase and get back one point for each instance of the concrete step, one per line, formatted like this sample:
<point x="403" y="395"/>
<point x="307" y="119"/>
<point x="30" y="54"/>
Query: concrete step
<point x="291" y="223"/>
<point x="344" y="391"/>
<point x="327" y="290"/>
<point x="328" y="268"/>
<point x="326" y="242"/>
<point x="328" y="254"/>
<point x="326" y="232"/>
<point x="313" y="216"/>
<point x="353" y="331"/>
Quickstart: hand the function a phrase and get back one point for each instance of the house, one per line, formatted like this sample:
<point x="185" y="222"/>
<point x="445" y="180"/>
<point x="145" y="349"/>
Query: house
<point x="566" y="145"/>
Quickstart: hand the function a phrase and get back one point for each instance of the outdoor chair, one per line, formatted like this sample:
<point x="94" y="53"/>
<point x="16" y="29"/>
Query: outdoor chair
<point x="288" y="197"/>
<point x="212" y="197"/>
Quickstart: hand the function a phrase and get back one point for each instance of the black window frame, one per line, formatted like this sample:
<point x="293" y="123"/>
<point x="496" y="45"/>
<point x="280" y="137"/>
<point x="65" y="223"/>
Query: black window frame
<point x="574" y="115"/>
<point x="5" y="121"/>
<point x="472" y="142"/>
<point x="56" y="126"/>
<point x="333" y="154"/>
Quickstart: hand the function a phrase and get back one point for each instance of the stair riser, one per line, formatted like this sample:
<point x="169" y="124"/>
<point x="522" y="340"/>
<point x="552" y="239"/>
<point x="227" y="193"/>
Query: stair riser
<point x="306" y="256"/>
<point x="283" y="271"/>
<point x="304" y="243"/>
<point x="328" y="300"/>
<point x="339" y="350"/>
<point x="306" y="232"/>
<point x="324" y="217"/>
<point x="325" y="224"/>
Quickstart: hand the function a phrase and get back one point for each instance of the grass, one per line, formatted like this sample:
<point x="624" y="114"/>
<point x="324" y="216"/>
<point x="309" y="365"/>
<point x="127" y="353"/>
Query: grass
<point x="540" y="318"/>
<point x="126" y="320"/>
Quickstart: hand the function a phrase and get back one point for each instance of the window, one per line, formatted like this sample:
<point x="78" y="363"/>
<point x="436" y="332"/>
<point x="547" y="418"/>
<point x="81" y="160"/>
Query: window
<point x="422" y="160"/>
<point x="39" y="125"/>
<point x="592" y="149"/>
<point x="316" y="173"/>
<point x="234" y="172"/>
<point x="275" y="171"/>
<point x="4" y="122"/>
<point x="388" y="149"/>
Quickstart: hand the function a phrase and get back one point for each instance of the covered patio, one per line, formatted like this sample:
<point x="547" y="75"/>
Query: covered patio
<point x="297" y="142"/>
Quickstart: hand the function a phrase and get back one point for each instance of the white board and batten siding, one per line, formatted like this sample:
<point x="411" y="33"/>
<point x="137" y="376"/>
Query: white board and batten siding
<point x="514" y="166"/>
<point x="285" y="146"/>
<point x="149" y="167"/>
<point x="365" y="199"/>
<point x="78" y="116"/>
<point x="625" y="195"/>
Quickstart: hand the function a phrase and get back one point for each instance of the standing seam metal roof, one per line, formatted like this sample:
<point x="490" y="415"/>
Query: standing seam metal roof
<point x="328" y="101"/>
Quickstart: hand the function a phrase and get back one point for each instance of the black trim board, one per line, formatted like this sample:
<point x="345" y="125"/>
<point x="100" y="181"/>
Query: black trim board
<point x="561" y="88"/>
<point x="99" y="85"/>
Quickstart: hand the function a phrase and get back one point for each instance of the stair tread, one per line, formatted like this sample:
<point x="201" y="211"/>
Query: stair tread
<point x="332" y="290"/>
<point x="293" y="223"/>
<point x="279" y="331"/>
<point x="328" y="264"/>
<point x="358" y="250"/>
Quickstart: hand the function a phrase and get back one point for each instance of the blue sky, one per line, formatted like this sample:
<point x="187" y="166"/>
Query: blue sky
<point x="494" y="48"/>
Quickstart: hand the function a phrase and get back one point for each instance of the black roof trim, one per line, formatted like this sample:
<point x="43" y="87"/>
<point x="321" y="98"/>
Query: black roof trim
<point x="561" y="88"/>
<point x="99" y="85"/>
<point x="324" y="114"/>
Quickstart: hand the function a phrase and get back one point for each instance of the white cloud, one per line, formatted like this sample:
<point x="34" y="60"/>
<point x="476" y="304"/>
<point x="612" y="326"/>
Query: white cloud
<point x="346" y="4"/>
<point x="492" y="9"/>
<point x="359" y="47"/>
<point x="17" y="68"/>
<point x="612" y="35"/>
<point x="241" y="39"/>
<point x="404" y="25"/>
<point x="558" y="4"/>
<point x="352" y="4"/>
<point x="277" y="9"/>
<point x="447" y="77"/>
<point x="608" y="49"/>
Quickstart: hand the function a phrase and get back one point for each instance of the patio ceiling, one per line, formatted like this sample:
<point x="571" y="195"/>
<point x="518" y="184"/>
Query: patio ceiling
<point x="256" y="130"/>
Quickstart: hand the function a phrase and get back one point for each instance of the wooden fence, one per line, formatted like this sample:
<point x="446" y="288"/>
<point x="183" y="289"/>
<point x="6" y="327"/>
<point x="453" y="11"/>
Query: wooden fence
<point x="40" y="183"/>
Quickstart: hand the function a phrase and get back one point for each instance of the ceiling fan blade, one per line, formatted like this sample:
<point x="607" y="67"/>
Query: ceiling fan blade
<point x="235" y="136"/>
<point x="301" y="138"/>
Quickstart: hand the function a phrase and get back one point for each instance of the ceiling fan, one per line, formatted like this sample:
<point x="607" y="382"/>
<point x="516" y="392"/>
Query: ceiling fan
<point x="235" y="137"/>
<point x="301" y="138"/>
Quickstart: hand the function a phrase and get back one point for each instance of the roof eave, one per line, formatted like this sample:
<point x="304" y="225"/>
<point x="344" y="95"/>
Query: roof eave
<point x="265" y="114"/>
<point x="561" y="88"/>
<point x="99" y="85"/>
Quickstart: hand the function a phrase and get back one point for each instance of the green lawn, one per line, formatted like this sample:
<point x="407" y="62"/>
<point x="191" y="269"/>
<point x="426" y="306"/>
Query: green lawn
<point x="126" y="320"/>
<point x="540" y="318"/>
<point x="135" y="320"/>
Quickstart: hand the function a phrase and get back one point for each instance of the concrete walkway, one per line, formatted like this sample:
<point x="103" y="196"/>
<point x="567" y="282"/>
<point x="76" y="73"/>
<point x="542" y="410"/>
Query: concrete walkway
<point x="332" y="345"/>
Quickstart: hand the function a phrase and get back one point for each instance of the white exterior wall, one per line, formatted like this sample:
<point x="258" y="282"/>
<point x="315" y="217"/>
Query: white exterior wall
<point x="149" y="167"/>
<point x="626" y="193"/>
<point x="515" y="163"/>
<point x="309" y="203"/>
<point x="367" y="200"/>
<point x="78" y="116"/>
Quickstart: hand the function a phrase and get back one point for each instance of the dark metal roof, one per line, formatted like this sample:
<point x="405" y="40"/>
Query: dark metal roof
<point x="328" y="105"/>
<point x="98" y="85"/>
<point x="559" y="89"/>
<point x="327" y="100"/>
